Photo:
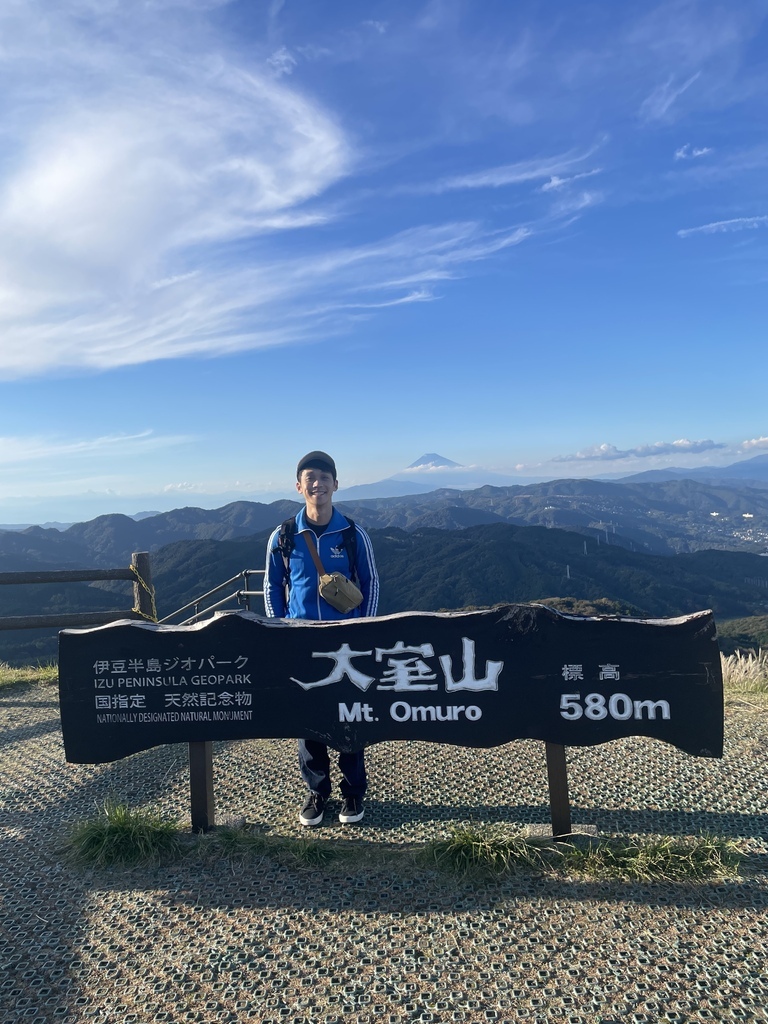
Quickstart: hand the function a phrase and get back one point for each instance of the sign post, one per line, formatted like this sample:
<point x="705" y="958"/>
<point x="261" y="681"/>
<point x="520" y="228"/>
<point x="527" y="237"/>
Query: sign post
<point x="474" y="679"/>
<point x="557" y="778"/>
<point x="202" y="805"/>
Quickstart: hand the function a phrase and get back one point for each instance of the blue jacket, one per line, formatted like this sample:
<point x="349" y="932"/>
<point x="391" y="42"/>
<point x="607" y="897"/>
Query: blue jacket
<point x="304" y="601"/>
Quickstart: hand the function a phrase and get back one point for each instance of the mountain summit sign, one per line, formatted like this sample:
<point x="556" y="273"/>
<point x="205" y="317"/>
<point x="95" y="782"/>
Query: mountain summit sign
<point x="475" y="679"/>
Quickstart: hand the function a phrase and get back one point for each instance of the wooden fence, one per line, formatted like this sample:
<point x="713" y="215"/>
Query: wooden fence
<point x="138" y="572"/>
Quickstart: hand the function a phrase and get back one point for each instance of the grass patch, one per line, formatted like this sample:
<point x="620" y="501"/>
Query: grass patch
<point x="119" y="836"/>
<point x="745" y="672"/>
<point x="652" y="860"/>
<point x="46" y="673"/>
<point x="122" y="836"/>
<point x="240" y="843"/>
<point x="474" y="850"/>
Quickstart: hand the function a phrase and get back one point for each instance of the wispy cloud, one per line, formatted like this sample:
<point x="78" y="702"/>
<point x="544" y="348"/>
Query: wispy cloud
<point x="511" y="174"/>
<point x="282" y="62"/>
<point x="229" y="309"/>
<point x="688" y="152"/>
<point x="419" y="295"/>
<point x="22" y="450"/>
<point x="656" y="106"/>
<point x="610" y="453"/>
<point x="139" y="167"/>
<point x="568" y="205"/>
<point x="557" y="184"/>
<point x="146" y="178"/>
<point x="720" y="226"/>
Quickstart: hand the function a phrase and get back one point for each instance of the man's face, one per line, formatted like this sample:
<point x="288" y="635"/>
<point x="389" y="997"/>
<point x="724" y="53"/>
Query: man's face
<point x="316" y="486"/>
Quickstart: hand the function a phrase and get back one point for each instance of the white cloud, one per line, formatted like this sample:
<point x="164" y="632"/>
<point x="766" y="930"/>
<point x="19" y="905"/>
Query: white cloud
<point x="757" y="443"/>
<point x="674" y="447"/>
<point x="138" y="168"/>
<point x="610" y="453"/>
<point x="601" y="452"/>
<point x="687" y="152"/>
<point x="184" y="488"/>
<point x="142" y="179"/>
<point x="121" y="177"/>
<point x="737" y="224"/>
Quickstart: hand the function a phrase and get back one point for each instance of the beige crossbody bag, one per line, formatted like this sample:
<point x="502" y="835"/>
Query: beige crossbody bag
<point x="333" y="587"/>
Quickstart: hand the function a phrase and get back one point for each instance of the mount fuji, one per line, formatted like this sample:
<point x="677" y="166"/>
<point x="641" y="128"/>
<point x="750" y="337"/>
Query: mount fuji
<point x="430" y="472"/>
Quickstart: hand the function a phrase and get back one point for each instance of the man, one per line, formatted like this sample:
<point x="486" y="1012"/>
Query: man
<point x="291" y="592"/>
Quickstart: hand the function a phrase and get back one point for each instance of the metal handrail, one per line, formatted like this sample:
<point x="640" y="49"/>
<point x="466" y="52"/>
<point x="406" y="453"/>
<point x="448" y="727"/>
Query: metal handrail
<point x="242" y="595"/>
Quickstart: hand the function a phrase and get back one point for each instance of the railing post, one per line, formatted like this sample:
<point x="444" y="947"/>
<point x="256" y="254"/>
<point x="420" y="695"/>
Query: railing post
<point x="143" y="594"/>
<point x="557" y="776"/>
<point x="201" y="785"/>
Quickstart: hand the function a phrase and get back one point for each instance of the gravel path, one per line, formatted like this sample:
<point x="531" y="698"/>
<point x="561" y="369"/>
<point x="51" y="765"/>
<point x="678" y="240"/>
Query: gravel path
<point x="381" y="940"/>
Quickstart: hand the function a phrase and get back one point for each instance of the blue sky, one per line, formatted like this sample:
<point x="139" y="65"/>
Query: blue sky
<point x="530" y="237"/>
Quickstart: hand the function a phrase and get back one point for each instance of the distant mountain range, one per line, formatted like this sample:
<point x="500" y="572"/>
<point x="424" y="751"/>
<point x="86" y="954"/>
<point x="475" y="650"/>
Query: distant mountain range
<point x="435" y="472"/>
<point x="644" y="545"/>
<point x="749" y="472"/>
<point x="432" y="473"/>
<point x="664" y="517"/>
<point x="660" y="518"/>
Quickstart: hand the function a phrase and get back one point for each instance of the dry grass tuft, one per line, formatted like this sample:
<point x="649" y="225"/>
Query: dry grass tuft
<point x="745" y="673"/>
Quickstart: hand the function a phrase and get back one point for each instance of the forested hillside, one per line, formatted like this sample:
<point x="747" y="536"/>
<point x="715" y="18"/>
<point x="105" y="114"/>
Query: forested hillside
<point x="433" y="569"/>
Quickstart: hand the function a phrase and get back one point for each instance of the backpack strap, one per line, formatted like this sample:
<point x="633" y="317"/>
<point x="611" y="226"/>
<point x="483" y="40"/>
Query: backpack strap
<point x="286" y="542"/>
<point x="350" y="543"/>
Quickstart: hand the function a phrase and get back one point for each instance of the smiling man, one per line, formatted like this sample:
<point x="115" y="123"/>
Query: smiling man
<point x="291" y="591"/>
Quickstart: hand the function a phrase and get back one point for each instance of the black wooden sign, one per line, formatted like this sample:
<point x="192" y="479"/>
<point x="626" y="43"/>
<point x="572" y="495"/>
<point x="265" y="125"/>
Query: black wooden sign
<point x="475" y="679"/>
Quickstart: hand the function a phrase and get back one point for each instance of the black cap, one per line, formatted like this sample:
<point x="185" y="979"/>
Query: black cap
<point x="317" y="460"/>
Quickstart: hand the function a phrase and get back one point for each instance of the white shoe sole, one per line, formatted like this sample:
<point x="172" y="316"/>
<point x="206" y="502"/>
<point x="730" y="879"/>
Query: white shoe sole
<point x="351" y="819"/>
<point x="311" y="822"/>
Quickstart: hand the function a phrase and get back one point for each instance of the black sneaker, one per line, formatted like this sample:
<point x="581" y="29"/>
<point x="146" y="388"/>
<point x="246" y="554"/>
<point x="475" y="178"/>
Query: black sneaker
<point x="312" y="812"/>
<point x="351" y="810"/>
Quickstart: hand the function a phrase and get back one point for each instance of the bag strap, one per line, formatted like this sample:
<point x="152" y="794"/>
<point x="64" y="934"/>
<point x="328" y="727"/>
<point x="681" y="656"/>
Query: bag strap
<point x="309" y="538"/>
